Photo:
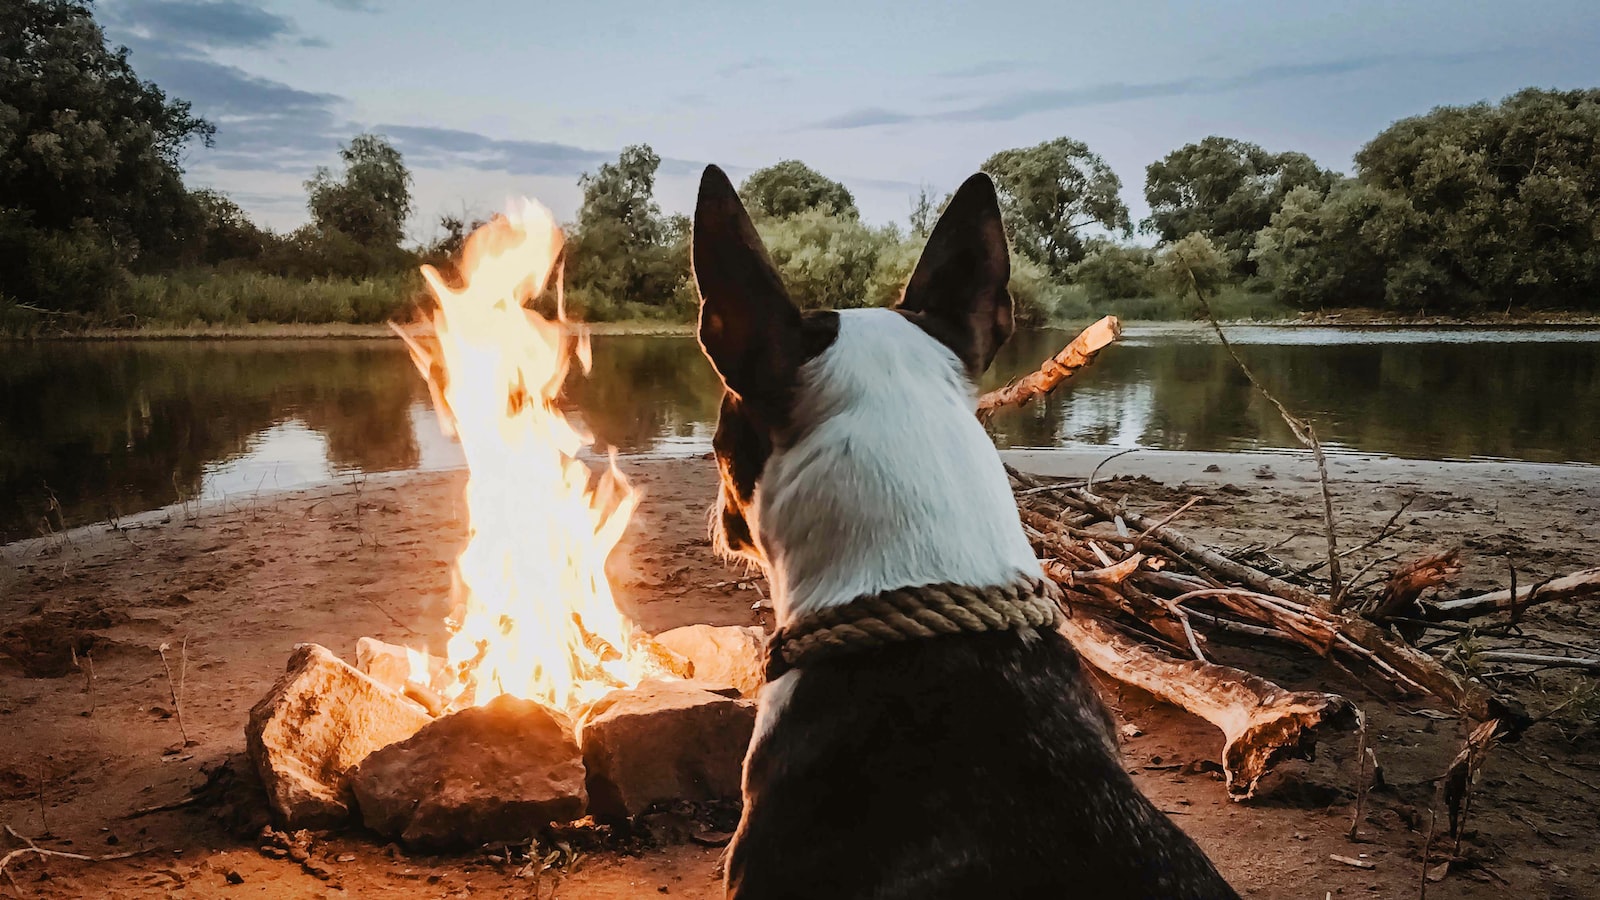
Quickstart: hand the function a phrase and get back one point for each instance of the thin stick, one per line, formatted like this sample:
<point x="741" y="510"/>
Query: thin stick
<point x="1089" y="485"/>
<point x="408" y="628"/>
<point x="1516" y="608"/>
<point x="1302" y="431"/>
<point x="172" y="689"/>
<point x="1362" y="781"/>
<point x="1143" y="535"/>
<point x="44" y="822"/>
<point x="1383" y="533"/>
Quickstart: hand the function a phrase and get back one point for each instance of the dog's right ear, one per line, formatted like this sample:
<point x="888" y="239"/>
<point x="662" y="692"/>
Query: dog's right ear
<point x="749" y="328"/>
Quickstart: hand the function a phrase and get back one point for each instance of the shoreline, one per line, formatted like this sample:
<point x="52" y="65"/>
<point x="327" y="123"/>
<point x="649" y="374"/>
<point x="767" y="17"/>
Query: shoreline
<point x="372" y="331"/>
<point x="1196" y="467"/>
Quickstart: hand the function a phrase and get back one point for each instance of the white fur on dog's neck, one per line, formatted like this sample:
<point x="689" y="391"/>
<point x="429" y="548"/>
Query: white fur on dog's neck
<point x="894" y="482"/>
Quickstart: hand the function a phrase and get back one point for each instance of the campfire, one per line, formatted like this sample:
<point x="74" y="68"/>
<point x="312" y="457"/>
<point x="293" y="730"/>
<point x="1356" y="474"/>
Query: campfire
<point x="547" y="702"/>
<point x="533" y="613"/>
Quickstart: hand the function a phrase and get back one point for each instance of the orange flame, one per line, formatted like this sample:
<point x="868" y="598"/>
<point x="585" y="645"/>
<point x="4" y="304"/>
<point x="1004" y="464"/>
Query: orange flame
<point x="534" y="615"/>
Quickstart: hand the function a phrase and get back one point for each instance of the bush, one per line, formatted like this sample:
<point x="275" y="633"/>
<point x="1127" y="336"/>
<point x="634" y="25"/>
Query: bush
<point x="829" y="262"/>
<point x="76" y="270"/>
<point x="1114" y="272"/>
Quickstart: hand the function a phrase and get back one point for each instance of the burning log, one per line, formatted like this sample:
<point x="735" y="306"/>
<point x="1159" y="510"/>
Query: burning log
<point x="1261" y="723"/>
<point x="1076" y="355"/>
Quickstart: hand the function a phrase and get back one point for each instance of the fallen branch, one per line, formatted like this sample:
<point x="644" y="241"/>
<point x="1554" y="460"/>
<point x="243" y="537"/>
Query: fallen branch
<point x="1576" y="586"/>
<point x="1077" y="354"/>
<point x="35" y="849"/>
<point x="1542" y="660"/>
<point x="1261" y="723"/>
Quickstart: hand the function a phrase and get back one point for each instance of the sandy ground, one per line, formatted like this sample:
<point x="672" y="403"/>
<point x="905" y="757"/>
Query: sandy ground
<point x="243" y="584"/>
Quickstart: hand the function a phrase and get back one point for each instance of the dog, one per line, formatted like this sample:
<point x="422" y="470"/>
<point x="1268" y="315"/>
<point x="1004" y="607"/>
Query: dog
<point x="971" y="765"/>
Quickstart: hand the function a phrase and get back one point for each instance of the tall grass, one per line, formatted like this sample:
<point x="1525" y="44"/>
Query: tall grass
<point x="1232" y="303"/>
<point x="206" y="297"/>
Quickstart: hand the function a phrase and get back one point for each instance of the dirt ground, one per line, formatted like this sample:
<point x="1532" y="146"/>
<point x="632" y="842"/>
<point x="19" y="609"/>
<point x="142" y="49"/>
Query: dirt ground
<point x="85" y="746"/>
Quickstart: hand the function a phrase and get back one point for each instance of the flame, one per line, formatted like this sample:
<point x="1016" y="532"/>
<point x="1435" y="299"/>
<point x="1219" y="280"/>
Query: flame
<point x="533" y="612"/>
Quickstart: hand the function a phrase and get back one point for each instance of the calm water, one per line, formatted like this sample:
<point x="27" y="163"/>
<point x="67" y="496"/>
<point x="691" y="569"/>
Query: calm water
<point x="92" y="430"/>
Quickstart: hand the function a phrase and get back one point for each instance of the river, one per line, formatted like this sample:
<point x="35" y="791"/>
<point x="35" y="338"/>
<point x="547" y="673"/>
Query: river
<point x="92" y="431"/>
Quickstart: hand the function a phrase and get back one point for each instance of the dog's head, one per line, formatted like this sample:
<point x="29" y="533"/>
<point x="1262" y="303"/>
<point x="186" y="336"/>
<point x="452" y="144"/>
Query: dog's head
<point x="790" y="374"/>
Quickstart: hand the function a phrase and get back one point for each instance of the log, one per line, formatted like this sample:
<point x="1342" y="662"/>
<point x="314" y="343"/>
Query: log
<point x="1261" y="723"/>
<point x="1077" y="354"/>
<point x="1576" y="586"/>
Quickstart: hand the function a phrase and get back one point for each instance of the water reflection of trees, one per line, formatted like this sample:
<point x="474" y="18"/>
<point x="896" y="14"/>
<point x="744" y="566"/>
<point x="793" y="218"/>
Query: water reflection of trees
<point x="1535" y="401"/>
<point x="110" y="429"/>
<point x="643" y="389"/>
<point x="115" y="428"/>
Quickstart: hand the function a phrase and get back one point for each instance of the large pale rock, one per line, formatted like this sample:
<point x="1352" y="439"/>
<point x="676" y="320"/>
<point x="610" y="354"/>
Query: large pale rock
<point x="318" y="721"/>
<point x="663" y="741"/>
<point x="497" y="772"/>
<point x="726" y="655"/>
<point x="387" y="664"/>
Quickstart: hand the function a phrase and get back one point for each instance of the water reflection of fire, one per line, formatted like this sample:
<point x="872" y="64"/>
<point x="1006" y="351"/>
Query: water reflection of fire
<point x="533" y="612"/>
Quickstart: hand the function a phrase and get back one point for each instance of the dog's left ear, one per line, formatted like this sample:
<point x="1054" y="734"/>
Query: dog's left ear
<point x="958" y="291"/>
<point x="749" y="328"/>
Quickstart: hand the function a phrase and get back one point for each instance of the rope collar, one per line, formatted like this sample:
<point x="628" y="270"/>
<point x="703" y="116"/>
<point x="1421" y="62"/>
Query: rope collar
<point x="912" y="613"/>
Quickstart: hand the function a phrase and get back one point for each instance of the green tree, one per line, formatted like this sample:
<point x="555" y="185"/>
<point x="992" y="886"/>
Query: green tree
<point x="623" y="250"/>
<point x="369" y="203"/>
<point x="89" y="152"/>
<point x="790" y="188"/>
<point x="1225" y="189"/>
<point x="924" y="213"/>
<point x="1337" y="249"/>
<point x="829" y="261"/>
<point x="224" y="232"/>
<point x="1507" y="199"/>
<point x="1194" y="263"/>
<point x="1050" y="192"/>
<point x="1111" y="271"/>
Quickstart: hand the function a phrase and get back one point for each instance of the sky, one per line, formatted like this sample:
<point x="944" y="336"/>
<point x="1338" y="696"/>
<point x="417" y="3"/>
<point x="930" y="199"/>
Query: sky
<point x="493" y="100"/>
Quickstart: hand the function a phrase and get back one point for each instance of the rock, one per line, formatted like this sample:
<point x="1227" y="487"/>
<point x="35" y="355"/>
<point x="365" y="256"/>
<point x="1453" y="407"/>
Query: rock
<point x="729" y="655"/>
<point x="318" y="721"/>
<point x="390" y="664"/>
<point x="497" y="772"/>
<point x="386" y="664"/>
<point x="663" y="741"/>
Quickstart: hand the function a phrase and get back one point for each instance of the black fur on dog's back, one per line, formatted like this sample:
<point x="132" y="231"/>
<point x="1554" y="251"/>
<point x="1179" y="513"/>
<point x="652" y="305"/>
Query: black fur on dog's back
<point x="968" y="766"/>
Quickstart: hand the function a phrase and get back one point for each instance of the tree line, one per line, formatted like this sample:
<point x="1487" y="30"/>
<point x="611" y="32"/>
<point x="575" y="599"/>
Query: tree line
<point x="1457" y="211"/>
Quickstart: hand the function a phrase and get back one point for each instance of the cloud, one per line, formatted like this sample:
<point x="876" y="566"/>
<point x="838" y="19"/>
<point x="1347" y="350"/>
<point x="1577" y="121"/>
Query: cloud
<point x="1017" y="104"/>
<point x="427" y="146"/>
<point x="367" y="6"/>
<point x="747" y="66"/>
<point x="443" y="148"/>
<point x="867" y="117"/>
<point x="203" y="23"/>
<point x="985" y="69"/>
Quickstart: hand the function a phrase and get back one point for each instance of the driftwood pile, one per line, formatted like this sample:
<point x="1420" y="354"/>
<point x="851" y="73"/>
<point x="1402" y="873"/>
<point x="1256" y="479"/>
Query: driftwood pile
<point x="1144" y="597"/>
